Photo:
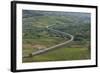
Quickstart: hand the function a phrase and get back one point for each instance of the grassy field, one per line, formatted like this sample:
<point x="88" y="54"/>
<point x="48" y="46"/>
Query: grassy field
<point x="61" y="54"/>
<point x="32" y="45"/>
<point x="36" y="36"/>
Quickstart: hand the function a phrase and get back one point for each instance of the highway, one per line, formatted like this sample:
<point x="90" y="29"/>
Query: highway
<point x="55" y="46"/>
<point x="65" y="36"/>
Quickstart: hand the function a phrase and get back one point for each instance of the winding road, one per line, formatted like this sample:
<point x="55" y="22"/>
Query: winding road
<point x="58" y="45"/>
<point x="65" y="36"/>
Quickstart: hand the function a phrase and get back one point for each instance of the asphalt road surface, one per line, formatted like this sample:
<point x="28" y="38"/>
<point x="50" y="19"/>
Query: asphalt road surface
<point x="55" y="46"/>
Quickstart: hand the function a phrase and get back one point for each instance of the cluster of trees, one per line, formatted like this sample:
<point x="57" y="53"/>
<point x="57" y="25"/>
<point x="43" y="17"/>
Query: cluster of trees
<point x="76" y="24"/>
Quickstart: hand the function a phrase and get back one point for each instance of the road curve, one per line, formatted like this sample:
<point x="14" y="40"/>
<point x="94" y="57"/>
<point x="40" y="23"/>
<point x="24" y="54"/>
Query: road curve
<point x="55" y="46"/>
<point x="58" y="45"/>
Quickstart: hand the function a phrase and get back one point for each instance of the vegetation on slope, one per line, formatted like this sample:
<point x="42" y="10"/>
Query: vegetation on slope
<point x="36" y="36"/>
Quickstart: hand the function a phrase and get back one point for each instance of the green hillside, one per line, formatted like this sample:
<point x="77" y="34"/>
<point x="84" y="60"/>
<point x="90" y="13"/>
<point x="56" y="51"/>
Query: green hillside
<point x="36" y="36"/>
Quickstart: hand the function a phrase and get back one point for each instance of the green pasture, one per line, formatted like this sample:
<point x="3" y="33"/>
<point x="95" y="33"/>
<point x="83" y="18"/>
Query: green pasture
<point x="61" y="54"/>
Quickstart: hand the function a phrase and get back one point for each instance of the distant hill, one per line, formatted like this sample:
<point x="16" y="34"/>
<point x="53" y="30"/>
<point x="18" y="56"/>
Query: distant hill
<point x="32" y="13"/>
<point x="75" y="23"/>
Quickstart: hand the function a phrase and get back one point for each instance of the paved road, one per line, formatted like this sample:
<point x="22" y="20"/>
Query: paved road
<point x="58" y="45"/>
<point x="65" y="36"/>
